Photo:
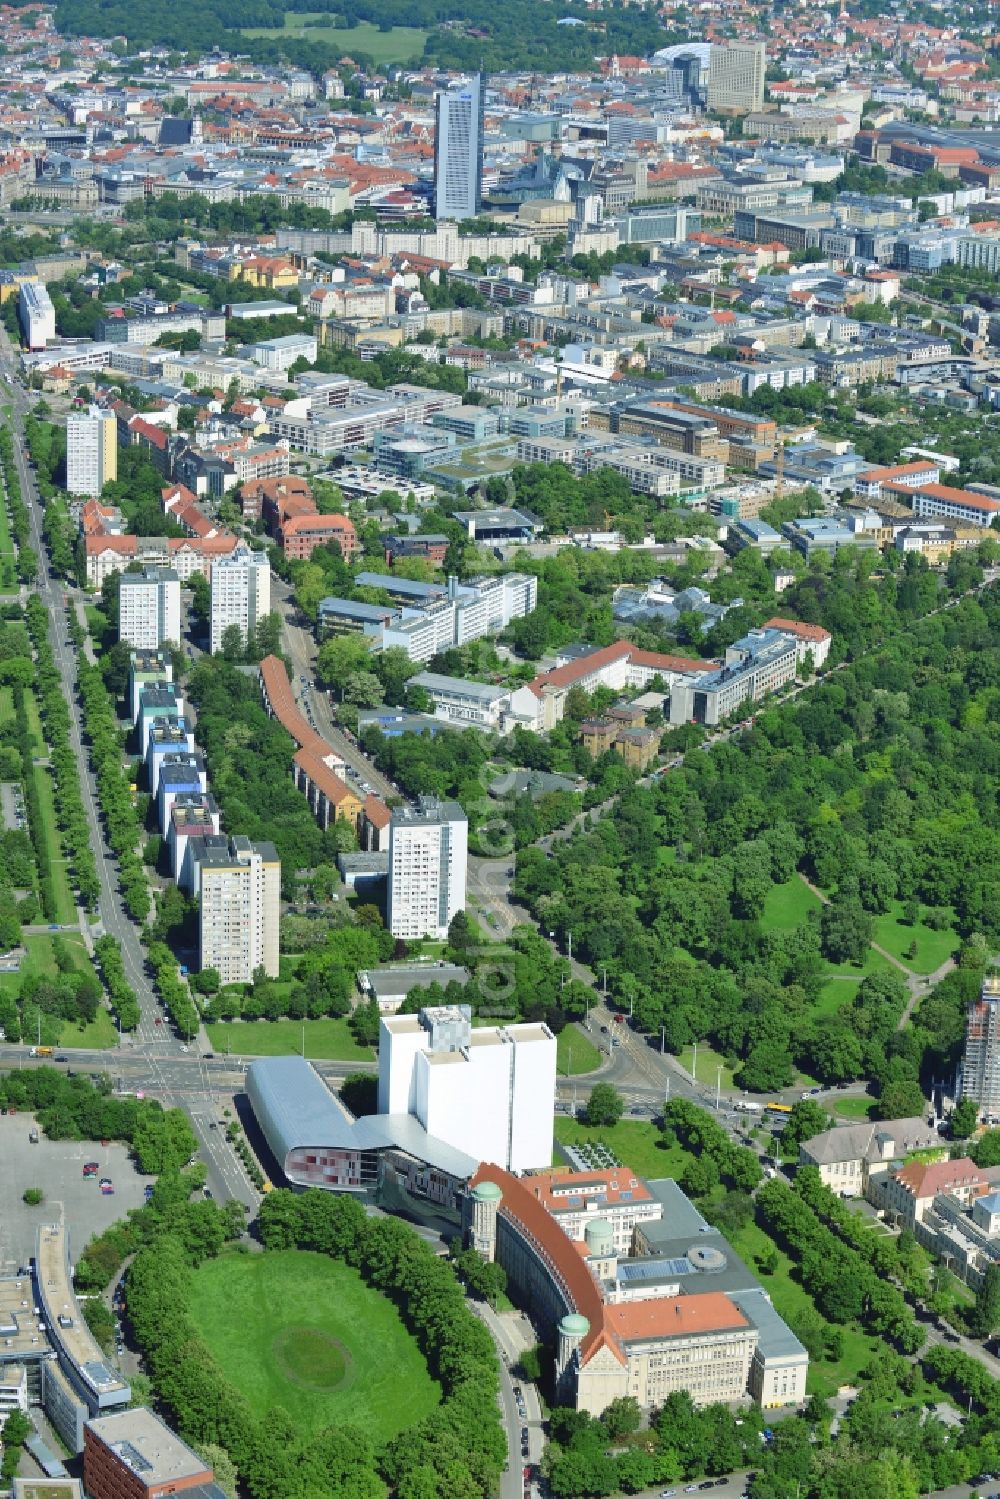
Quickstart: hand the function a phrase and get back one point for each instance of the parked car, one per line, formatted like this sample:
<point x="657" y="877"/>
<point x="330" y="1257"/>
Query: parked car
<point x="107" y="1189"/>
<point x="90" y="1168"/>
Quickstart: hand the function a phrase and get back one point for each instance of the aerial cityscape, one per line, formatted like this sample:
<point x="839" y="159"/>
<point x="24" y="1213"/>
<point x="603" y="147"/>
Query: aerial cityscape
<point x="499" y="750"/>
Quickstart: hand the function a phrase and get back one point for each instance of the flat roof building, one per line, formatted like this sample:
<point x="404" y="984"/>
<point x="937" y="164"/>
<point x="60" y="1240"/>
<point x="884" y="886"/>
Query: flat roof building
<point x="488" y="1091"/>
<point x="428" y="858"/>
<point x="135" y="1455"/>
<point x="79" y="1354"/>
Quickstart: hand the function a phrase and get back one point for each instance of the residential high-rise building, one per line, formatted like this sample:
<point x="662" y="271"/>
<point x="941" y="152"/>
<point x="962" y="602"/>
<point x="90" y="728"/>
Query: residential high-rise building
<point x="458" y="151"/>
<point x="240" y="890"/>
<point x="149" y="608"/>
<point x="428" y="858"/>
<point x="979" y="1078"/>
<point x="736" y="77"/>
<point x="91" y="451"/>
<point x="241" y="593"/>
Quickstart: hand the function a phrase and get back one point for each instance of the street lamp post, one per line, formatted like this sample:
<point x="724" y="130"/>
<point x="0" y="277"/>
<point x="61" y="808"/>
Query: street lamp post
<point x="694" y="1061"/>
<point x="663" y="1033"/>
<point x="718" y="1086"/>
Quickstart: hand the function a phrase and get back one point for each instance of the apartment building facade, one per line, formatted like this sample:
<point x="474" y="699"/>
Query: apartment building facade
<point x="241" y="594"/>
<point x="240" y="891"/>
<point x="91" y="451"/>
<point x="149" y="608"/>
<point x="428" y="860"/>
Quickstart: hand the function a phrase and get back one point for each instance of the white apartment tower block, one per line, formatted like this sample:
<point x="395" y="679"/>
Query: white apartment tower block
<point x="91" y="451"/>
<point x="428" y="858"/>
<point x="489" y="1092"/>
<point x="241" y="593"/>
<point x="149" y="608"/>
<point x="240" y="890"/>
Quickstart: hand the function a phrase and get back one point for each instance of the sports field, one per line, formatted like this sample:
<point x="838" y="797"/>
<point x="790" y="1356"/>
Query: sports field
<point x="303" y="1331"/>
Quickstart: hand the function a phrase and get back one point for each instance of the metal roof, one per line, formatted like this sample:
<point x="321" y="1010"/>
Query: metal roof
<point x="297" y="1111"/>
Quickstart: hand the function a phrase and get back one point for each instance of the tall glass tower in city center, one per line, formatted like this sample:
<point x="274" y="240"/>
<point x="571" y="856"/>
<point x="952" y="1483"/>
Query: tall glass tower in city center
<point x="458" y="151"/>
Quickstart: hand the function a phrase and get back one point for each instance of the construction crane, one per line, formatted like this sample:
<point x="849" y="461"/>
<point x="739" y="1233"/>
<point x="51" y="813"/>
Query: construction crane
<point x="779" y="468"/>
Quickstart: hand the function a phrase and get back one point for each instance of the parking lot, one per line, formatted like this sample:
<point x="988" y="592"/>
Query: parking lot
<point x="57" y="1167"/>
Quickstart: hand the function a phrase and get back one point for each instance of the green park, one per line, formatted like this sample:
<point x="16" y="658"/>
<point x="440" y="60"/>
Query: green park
<point x="304" y="1332"/>
<point x="394" y="44"/>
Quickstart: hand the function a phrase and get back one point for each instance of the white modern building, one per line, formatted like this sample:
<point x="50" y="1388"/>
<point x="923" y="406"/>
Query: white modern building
<point x="91" y="451"/>
<point x="282" y="353"/>
<point x="241" y="593"/>
<point x="36" y="315"/>
<point x="240" y="892"/>
<point x="489" y="1092"/>
<point x="464" y="702"/>
<point x="149" y="608"/>
<point x="468" y="611"/>
<point x="428" y="860"/>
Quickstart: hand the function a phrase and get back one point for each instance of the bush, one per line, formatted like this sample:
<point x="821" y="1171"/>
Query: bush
<point x="33" y="1196"/>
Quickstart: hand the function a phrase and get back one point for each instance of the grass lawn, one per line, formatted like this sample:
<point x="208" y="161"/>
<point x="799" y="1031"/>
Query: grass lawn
<point x="933" y="948"/>
<point x="851" y="1106"/>
<point x="65" y="904"/>
<point x="326" y="1040"/>
<point x="636" y="1143"/>
<point x="790" y="1299"/>
<point x="788" y="905"/>
<point x="575" y="1052"/>
<point x="304" y="1332"/>
<point x="874" y="963"/>
<point x="836" y="993"/>
<point x="6" y="704"/>
<point x="707" y="1064"/>
<point x="401" y="44"/>
<point x="39" y="962"/>
<point x="38" y="745"/>
<point x="99" y="1035"/>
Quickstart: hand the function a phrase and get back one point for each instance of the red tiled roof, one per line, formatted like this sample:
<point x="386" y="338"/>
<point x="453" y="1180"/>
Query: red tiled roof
<point x="922" y="1179"/>
<point x="155" y="436"/>
<point x="328" y="781"/>
<point x="957" y="496"/>
<point x="314" y="522"/>
<point x="282" y="704"/>
<point x="897" y="471"/>
<point x="673" y="1316"/>
<point x="376" y="811"/>
<point x="798" y="627"/>
<point x="575" y="671"/>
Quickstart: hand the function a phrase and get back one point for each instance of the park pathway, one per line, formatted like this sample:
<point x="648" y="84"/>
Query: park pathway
<point x="917" y="984"/>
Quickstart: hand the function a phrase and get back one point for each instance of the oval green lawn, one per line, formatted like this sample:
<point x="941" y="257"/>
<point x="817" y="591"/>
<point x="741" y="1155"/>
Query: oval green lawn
<point x="305" y="1332"/>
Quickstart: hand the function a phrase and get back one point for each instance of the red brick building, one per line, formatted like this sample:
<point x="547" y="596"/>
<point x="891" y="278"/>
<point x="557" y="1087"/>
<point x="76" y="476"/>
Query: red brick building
<point x="134" y="1455"/>
<point x="302" y="534"/>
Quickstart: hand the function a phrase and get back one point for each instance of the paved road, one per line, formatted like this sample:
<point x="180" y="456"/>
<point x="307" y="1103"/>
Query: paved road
<point x="157" y="1043"/>
<point x="512" y="1333"/>
<point x="301" y="649"/>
